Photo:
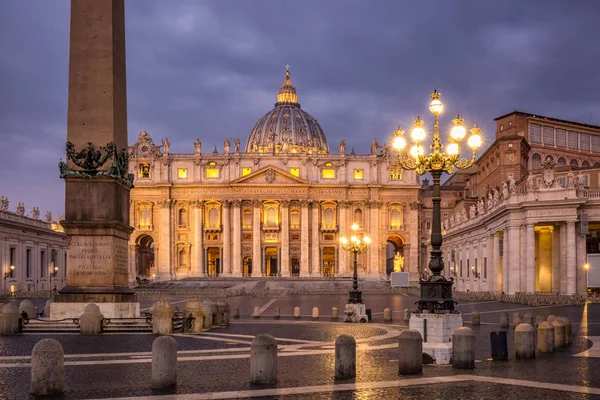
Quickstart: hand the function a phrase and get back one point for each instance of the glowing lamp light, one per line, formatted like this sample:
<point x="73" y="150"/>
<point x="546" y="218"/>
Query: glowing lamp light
<point x="354" y="239"/>
<point x="416" y="151"/>
<point x="418" y="133"/>
<point x="459" y="131"/>
<point x="586" y="266"/>
<point x="475" y="139"/>
<point x="343" y="240"/>
<point x="436" y="106"/>
<point x="452" y="149"/>
<point x="399" y="143"/>
<point x="367" y="239"/>
<point x="12" y="267"/>
<point x="354" y="226"/>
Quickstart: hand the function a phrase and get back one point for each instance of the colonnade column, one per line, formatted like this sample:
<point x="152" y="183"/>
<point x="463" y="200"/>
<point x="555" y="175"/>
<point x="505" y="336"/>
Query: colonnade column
<point x="237" y="239"/>
<point x="488" y="268"/>
<point x="374" y="248"/>
<point x="563" y="258"/>
<point x="341" y="253"/>
<point x="505" y="257"/>
<point x="198" y="252"/>
<point x="496" y="268"/>
<point x="571" y="259"/>
<point x="530" y="259"/>
<point x="556" y="260"/>
<point x="316" y="249"/>
<point x="226" y="269"/>
<point x="256" y="251"/>
<point x="164" y="264"/>
<point x="304" y="249"/>
<point x="284" y="266"/>
<point x="581" y="260"/>
<point x="415" y="245"/>
<point x="514" y="249"/>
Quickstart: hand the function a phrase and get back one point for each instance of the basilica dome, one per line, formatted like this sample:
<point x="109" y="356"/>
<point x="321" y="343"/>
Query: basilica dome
<point x="287" y="128"/>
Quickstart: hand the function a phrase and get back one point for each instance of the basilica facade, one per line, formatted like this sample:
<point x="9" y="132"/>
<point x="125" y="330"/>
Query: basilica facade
<point x="277" y="207"/>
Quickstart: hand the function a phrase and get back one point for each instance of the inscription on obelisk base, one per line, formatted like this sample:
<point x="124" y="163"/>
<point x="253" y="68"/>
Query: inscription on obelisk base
<point x="97" y="180"/>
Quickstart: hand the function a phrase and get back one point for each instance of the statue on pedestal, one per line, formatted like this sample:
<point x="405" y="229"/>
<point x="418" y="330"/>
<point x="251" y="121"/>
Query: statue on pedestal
<point x="166" y="145"/>
<point x="197" y="146"/>
<point x="226" y="146"/>
<point x="398" y="263"/>
<point x="343" y="147"/>
<point x="236" y="145"/>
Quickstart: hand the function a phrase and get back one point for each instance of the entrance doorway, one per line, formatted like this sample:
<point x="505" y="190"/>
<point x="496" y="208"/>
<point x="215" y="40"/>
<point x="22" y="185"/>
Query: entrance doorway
<point x="144" y="256"/>
<point x="328" y="261"/>
<point x="213" y="261"/>
<point x="271" y="266"/>
<point x="247" y="266"/>
<point x="295" y="266"/>
<point x="394" y="255"/>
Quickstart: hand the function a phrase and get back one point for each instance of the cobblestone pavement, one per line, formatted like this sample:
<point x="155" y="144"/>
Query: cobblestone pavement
<point x="215" y="364"/>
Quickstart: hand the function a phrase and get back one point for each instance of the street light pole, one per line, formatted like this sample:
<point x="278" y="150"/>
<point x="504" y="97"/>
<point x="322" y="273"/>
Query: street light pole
<point x="355" y="245"/>
<point x="436" y="291"/>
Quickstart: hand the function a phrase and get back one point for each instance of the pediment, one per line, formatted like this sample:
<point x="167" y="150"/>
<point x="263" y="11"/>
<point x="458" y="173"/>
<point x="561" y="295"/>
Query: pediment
<point x="270" y="175"/>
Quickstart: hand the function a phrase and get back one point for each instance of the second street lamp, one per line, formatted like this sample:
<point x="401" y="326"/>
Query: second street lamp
<point x="355" y="245"/>
<point x="436" y="291"/>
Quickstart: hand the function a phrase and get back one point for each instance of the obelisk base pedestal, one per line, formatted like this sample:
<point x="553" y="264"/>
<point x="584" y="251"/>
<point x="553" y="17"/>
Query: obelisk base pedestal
<point x="114" y="302"/>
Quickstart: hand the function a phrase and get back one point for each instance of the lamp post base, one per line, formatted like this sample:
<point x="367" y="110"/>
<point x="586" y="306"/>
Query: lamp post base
<point x="355" y="297"/>
<point x="355" y="312"/>
<point x="436" y="295"/>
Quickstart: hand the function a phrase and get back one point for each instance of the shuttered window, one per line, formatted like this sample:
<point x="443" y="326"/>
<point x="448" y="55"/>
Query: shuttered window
<point x="584" y="141"/>
<point x="596" y="144"/>
<point x="561" y="138"/>
<point x="573" y="140"/>
<point x="535" y="133"/>
<point x="549" y="135"/>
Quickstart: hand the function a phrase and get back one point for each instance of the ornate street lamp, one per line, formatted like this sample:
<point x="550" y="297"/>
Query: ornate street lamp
<point x="436" y="291"/>
<point x="355" y="245"/>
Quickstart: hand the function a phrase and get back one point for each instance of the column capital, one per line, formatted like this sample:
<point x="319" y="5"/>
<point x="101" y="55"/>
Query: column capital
<point x="345" y="203"/>
<point x="256" y="203"/>
<point x="285" y="203"/>
<point x="165" y="203"/>
<point x="197" y="203"/>
<point x="236" y="203"/>
<point x="305" y="202"/>
<point x="226" y="203"/>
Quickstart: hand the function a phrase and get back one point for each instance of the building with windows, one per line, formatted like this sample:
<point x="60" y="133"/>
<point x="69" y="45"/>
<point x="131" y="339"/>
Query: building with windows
<point x="32" y="252"/>
<point x="276" y="207"/>
<point x="531" y="210"/>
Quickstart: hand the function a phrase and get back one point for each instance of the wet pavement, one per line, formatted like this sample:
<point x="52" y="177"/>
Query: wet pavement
<point x="216" y="363"/>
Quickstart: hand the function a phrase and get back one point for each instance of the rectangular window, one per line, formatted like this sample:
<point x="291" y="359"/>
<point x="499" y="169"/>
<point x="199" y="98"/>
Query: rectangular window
<point x="212" y="170"/>
<point x="573" y="140"/>
<point x="42" y="264"/>
<point x="328" y="173"/>
<point x="428" y="225"/>
<point x="396" y="174"/>
<point x="28" y="263"/>
<point x="501" y="246"/>
<point x="246" y="171"/>
<point x="549" y="135"/>
<point x="476" y="269"/>
<point x="596" y="144"/>
<point x="144" y="171"/>
<point x="460" y="263"/>
<point x="182" y="173"/>
<point x="468" y="267"/>
<point x="295" y="171"/>
<point x="484" y="267"/>
<point x="358" y="174"/>
<point x="584" y="141"/>
<point x="562" y="182"/>
<point x="535" y="133"/>
<point x="13" y="252"/>
<point x="561" y="138"/>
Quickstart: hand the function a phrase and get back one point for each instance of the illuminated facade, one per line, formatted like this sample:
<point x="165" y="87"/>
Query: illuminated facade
<point x="275" y="208"/>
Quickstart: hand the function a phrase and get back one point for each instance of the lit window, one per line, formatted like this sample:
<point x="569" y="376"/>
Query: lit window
<point x="358" y="174"/>
<point x="182" y="173"/>
<point x="295" y="171"/>
<point x="212" y="171"/>
<point x="271" y="217"/>
<point x="144" y="171"/>
<point x="328" y="217"/>
<point x="396" y="174"/>
<point x="247" y="218"/>
<point x="183" y="217"/>
<point x="358" y="216"/>
<point x="294" y="218"/>
<point x="328" y="174"/>
<point x="395" y="218"/>
<point x="145" y="219"/>
<point x="213" y="217"/>
<point x="501" y="127"/>
<point x="246" y="171"/>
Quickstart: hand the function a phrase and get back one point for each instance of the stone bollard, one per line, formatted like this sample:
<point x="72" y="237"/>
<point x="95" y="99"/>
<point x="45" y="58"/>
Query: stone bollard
<point x="559" y="334"/>
<point x="47" y="308"/>
<point x="503" y="320"/>
<point x="162" y="318"/>
<point x="524" y="342"/>
<point x="193" y="308"/>
<point x="475" y="319"/>
<point x="9" y="320"/>
<point x="539" y="319"/>
<point x="207" y="317"/>
<point x="315" y="313"/>
<point x="345" y="357"/>
<point x="277" y="314"/>
<point x="516" y="319"/>
<point x="256" y="313"/>
<point x="236" y="312"/>
<point x="529" y="319"/>
<point x="567" y="323"/>
<point x="263" y="360"/>
<point x="550" y="318"/>
<point x="463" y="348"/>
<point x="406" y="314"/>
<point x="545" y="337"/>
<point x="387" y="315"/>
<point x="164" y="363"/>
<point x="27" y="306"/>
<point x="296" y="312"/>
<point x="90" y="322"/>
<point x="47" y="368"/>
<point x="222" y="313"/>
<point x="410" y="352"/>
<point x="334" y="313"/>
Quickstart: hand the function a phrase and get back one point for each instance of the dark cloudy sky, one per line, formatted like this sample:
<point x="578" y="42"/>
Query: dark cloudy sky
<point x="210" y="69"/>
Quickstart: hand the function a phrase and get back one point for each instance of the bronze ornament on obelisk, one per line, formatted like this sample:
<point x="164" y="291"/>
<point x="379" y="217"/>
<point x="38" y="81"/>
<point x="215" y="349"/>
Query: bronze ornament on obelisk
<point x="96" y="173"/>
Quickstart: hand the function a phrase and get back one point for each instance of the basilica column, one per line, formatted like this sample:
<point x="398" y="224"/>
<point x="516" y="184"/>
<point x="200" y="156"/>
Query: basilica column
<point x="496" y="267"/>
<point x="256" y="251"/>
<point x="374" y="248"/>
<point x="316" y="249"/>
<point x="304" y="249"/>
<point x="198" y="248"/>
<point x="491" y="256"/>
<point x="556" y="260"/>
<point x="284" y="268"/>
<point x="505" y="256"/>
<point x="237" y="239"/>
<point x="341" y="257"/>
<point x="563" y="258"/>
<point x="164" y="264"/>
<point x="530" y="259"/>
<point x="415" y="244"/>
<point x="226" y="268"/>
<point x="571" y="259"/>
<point x="514" y="265"/>
<point x="581" y="260"/>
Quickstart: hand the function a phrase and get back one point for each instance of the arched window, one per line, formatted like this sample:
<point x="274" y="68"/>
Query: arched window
<point x="182" y="217"/>
<point x="145" y="219"/>
<point x="597" y="164"/>
<point x="328" y="217"/>
<point x="536" y="161"/>
<point x="294" y="218"/>
<point x="182" y="258"/>
<point x="549" y="158"/>
<point x="247" y="219"/>
<point x="396" y="218"/>
<point x="213" y="217"/>
<point x="574" y="163"/>
<point x="561" y="162"/>
<point x="271" y="216"/>
<point x="585" y="164"/>
<point x="358" y="216"/>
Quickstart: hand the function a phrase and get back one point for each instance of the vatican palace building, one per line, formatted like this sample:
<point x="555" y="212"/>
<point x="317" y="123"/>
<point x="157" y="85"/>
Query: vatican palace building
<point x="274" y="207"/>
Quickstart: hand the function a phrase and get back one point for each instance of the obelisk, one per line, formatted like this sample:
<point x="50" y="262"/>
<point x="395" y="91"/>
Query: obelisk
<point x="96" y="169"/>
